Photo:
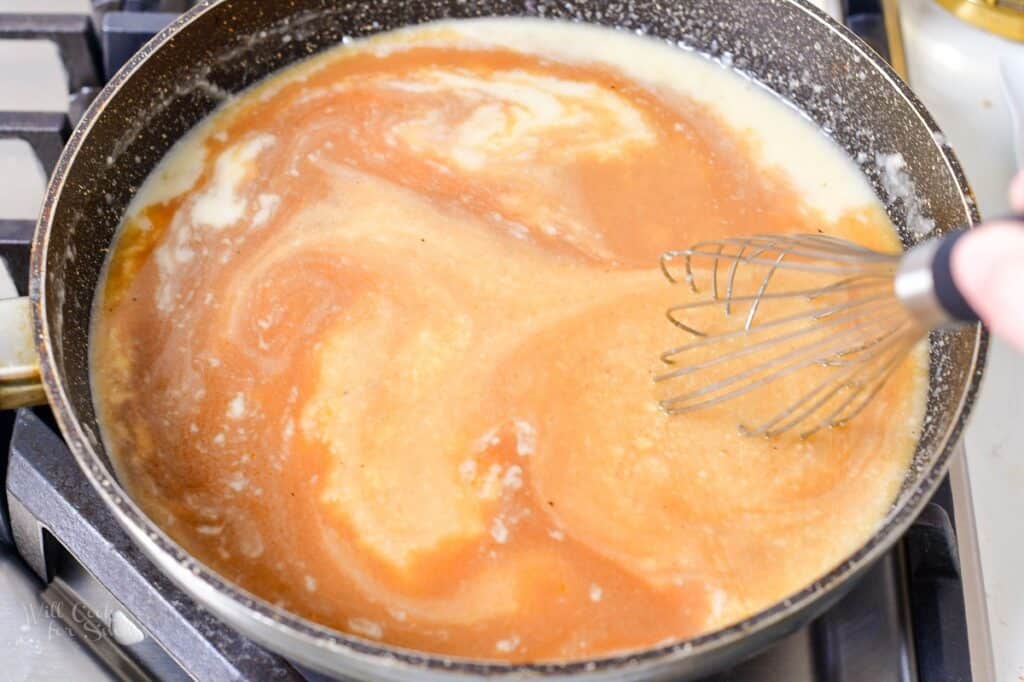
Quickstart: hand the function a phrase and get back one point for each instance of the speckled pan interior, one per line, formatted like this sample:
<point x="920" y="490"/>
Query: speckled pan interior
<point x="222" y="47"/>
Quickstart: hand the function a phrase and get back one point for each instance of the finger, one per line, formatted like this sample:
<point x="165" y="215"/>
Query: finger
<point x="1017" y="193"/>
<point x="988" y="267"/>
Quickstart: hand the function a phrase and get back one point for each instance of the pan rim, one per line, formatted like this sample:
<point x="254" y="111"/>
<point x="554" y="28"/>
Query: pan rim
<point x="232" y="602"/>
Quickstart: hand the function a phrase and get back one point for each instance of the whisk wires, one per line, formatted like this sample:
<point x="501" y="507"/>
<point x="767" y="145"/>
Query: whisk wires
<point x="809" y="319"/>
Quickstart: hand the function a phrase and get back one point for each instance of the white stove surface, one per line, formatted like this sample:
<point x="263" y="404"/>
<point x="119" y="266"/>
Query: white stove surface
<point x="36" y="644"/>
<point x="33" y="80"/>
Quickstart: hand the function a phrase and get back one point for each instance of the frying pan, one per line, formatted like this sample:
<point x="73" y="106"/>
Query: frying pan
<point x="220" y="48"/>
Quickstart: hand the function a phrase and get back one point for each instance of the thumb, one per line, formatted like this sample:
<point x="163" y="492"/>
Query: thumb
<point x="988" y="267"/>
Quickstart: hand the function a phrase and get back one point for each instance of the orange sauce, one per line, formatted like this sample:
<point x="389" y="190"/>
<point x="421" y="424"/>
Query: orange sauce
<point x="387" y="360"/>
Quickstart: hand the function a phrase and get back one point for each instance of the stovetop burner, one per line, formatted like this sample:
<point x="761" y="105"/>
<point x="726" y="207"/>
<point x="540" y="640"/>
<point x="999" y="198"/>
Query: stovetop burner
<point x="903" y="622"/>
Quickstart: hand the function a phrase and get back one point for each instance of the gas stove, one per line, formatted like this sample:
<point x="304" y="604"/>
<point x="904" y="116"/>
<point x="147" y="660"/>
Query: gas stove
<point x="77" y="599"/>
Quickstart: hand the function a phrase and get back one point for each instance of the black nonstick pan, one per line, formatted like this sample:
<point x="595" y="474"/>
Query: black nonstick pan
<point x="220" y="48"/>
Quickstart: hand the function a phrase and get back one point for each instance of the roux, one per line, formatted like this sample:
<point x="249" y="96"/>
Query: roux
<point x="376" y="343"/>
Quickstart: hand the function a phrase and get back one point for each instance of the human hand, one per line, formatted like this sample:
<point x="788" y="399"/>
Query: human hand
<point x="988" y="266"/>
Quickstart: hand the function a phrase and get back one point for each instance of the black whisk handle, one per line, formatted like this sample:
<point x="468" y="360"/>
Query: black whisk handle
<point x="946" y="290"/>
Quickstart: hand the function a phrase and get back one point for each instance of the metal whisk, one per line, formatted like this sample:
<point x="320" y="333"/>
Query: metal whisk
<point x="831" y="317"/>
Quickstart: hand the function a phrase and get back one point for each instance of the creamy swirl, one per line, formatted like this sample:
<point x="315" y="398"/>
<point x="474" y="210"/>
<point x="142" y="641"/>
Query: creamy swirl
<point x="375" y="343"/>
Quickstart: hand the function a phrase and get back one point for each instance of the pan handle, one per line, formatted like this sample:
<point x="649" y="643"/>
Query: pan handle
<point x="20" y="382"/>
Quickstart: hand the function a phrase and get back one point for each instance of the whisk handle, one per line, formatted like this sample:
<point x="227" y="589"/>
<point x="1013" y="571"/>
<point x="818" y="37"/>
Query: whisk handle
<point x="946" y="290"/>
<point x="925" y="285"/>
